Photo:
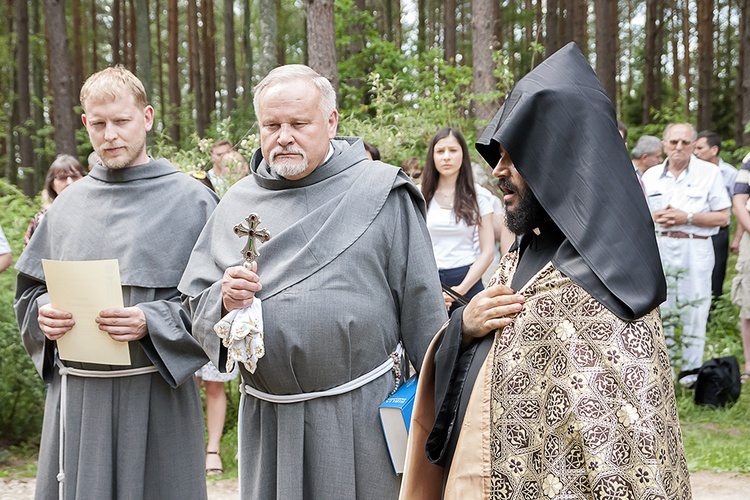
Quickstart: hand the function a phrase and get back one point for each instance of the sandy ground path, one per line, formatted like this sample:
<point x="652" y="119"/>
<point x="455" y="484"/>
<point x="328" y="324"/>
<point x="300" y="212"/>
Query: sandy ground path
<point x="706" y="486"/>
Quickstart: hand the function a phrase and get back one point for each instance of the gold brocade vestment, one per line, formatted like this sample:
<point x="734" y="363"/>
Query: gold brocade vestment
<point x="572" y="402"/>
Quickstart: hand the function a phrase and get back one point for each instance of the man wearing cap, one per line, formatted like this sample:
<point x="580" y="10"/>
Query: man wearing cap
<point x="555" y="381"/>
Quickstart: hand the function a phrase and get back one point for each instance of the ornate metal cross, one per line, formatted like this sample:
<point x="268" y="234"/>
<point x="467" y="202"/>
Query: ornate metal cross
<point x="250" y="251"/>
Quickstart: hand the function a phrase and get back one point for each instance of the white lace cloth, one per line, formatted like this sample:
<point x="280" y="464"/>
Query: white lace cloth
<point x="241" y="332"/>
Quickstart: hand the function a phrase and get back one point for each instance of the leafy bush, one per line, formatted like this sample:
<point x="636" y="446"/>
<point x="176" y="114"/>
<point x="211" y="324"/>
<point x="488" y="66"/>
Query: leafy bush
<point x="21" y="388"/>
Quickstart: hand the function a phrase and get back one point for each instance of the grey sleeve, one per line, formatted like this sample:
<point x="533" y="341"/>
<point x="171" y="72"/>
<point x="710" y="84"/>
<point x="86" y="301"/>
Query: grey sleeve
<point x="205" y="311"/>
<point x="31" y="294"/>
<point x="414" y="279"/>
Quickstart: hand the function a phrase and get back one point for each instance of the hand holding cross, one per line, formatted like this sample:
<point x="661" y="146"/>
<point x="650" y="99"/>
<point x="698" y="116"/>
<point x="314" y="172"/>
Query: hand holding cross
<point x="250" y="251"/>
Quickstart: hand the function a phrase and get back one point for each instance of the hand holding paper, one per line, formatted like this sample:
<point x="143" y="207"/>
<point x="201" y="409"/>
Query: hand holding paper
<point x="54" y="323"/>
<point x="123" y="325"/>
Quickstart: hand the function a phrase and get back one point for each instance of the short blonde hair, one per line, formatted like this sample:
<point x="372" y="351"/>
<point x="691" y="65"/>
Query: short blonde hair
<point x="109" y="84"/>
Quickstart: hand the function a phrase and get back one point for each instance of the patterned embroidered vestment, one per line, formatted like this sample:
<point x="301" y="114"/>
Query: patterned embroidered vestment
<point x="582" y="402"/>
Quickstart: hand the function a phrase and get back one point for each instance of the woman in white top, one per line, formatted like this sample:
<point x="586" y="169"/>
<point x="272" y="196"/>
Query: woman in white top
<point x="456" y="216"/>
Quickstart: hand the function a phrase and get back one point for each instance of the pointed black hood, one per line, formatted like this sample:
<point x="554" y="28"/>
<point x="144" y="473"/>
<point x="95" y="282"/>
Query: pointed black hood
<point x="559" y="127"/>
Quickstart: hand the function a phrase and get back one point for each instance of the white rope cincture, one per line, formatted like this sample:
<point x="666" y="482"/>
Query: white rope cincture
<point x="65" y="371"/>
<point x="358" y="382"/>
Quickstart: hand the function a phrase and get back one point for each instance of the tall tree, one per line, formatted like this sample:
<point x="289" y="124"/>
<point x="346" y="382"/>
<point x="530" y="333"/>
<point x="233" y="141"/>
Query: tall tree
<point x="77" y="44"/>
<point x="247" y="48"/>
<point x="208" y="43"/>
<point x="449" y="27"/>
<point x="744" y="44"/>
<point x="606" y="45"/>
<point x="552" y="21"/>
<point x="705" y="30"/>
<point x="268" y="35"/>
<point x="229" y="55"/>
<point x="143" y="59"/>
<point x="421" y="26"/>
<point x="174" y="71"/>
<point x="94" y="39"/>
<point x="23" y="89"/>
<point x="484" y="78"/>
<point x="650" y="62"/>
<point x="65" y="121"/>
<point x="195" y="68"/>
<point x="686" y="50"/>
<point x="158" y="11"/>
<point x="321" y="39"/>
<point x="116" y="30"/>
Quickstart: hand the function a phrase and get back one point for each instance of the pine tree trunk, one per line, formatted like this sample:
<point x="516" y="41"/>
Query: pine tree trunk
<point x="649" y="62"/>
<point x="606" y="45"/>
<point x="449" y="25"/>
<point x="208" y="43"/>
<point x="229" y="55"/>
<point x="195" y="69"/>
<point x="26" y="148"/>
<point x="77" y="44"/>
<point x="268" y="35"/>
<point x="686" y="51"/>
<point x="160" y="64"/>
<point x="551" y="41"/>
<point x="174" y="71"/>
<point x="484" y="79"/>
<point x="321" y="39"/>
<point x="745" y="69"/>
<point x="247" y="75"/>
<point x="705" y="30"/>
<point x="116" y="22"/>
<point x="143" y="59"/>
<point x="65" y="120"/>
<point x="94" y="39"/>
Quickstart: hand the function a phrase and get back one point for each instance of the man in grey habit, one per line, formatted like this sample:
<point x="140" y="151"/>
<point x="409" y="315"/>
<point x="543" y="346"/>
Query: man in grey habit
<point x="129" y="431"/>
<point x="347" y="275"/>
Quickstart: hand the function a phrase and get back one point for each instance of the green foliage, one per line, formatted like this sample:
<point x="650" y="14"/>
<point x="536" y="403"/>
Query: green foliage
<point x="21" y="388"/>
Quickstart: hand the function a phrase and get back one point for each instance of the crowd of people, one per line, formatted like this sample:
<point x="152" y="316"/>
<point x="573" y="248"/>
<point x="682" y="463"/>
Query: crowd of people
<point x="542" y="383"/>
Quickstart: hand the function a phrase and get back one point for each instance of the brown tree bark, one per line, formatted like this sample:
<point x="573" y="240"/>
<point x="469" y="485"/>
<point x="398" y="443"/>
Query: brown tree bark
<point x="674" y="42"/>
<point x="744" y="44"/>
<point x="208" y="43"/>
<point x="321" y="39"/>
<point x="174" y="71"/>
<point x="650" y="62"/>
<point x="65" y="120"/>
<point x="143" y="59"/>
<point x="94" y="39"/>
<point x="77" y="44"/>
<point x="229" y="55"/>
<point x="268" y="35"/>
<point x="131" y="37"/>
<point x="705" y="30"/>
<point x="552" y="21"/>
<point x="160" y="63"/>
<point x="195" y="69"/>
<point x="23" y="89"/>
<point x="580" y="24"/>
<point x="281" y="18"/>
<point x="421" y="26"/>
<point x="484" y="78"/>
<point x="686" y="51"/>
<point x="449" y="27"/>
<point x="247" y="75"/>
<point x="116" y="27"/>
<point x="606" y="45"/>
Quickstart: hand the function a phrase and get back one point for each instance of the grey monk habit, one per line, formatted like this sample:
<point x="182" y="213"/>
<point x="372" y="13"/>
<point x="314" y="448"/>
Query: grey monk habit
<point x="348" y="272"/>
<point x="138" y="436"/>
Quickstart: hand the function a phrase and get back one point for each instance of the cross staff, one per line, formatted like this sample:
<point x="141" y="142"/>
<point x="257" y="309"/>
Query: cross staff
<point x="250" y="251"/>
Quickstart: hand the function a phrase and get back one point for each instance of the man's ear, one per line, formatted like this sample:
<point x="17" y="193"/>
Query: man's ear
<point x="83" y="119"/>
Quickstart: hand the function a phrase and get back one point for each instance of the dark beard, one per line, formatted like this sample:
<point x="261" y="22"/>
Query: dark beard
<point x="528" y="213"/>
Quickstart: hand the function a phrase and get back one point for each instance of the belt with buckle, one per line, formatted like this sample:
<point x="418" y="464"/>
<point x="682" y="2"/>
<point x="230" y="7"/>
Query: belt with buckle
<point x="680" y="234"/>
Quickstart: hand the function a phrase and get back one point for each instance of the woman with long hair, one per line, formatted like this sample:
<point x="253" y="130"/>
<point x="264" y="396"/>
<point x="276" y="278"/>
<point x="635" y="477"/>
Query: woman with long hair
<point x="459" y="218"/>
<point x="63" y="172"/>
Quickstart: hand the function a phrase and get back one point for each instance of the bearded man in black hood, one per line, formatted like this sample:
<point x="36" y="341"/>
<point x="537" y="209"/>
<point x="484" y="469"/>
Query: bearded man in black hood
<point x="555" y="382"/>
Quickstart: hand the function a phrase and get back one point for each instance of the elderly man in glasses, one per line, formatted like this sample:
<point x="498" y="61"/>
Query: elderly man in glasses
<point x="689" y="204"/>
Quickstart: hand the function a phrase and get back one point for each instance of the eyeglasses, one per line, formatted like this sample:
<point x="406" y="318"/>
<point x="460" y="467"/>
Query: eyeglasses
<point x="64" y="177"/>
<point x="675" y="142"/>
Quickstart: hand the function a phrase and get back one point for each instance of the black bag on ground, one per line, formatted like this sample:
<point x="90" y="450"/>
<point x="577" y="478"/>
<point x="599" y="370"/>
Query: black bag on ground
<point x="718" y="382"/>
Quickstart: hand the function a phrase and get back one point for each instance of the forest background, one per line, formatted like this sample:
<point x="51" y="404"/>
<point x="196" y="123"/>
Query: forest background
<point x="402" y="70"/>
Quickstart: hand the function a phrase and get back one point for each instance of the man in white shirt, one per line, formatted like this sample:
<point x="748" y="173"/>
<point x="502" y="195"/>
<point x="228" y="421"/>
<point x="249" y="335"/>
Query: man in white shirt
<point x="689" y="203"/>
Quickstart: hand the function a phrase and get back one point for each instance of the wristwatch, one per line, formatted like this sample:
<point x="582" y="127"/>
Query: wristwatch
<point x="690" y="219"/>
